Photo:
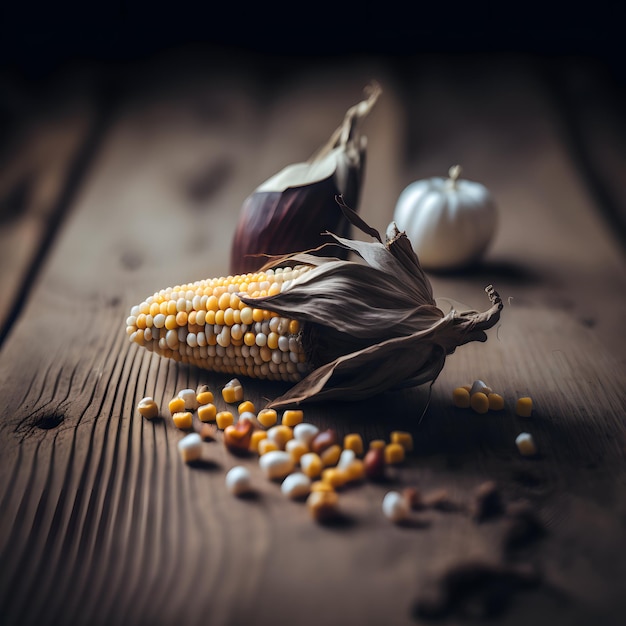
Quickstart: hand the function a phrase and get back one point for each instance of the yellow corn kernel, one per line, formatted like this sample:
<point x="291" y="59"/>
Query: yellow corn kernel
<point x="330" y="456"/>
<point x="267" y="417"/>
<point x="232" y="392"/>
<point x="496" y="402"/>
<point x="246" y="406"/>
<point x="323" y="505"/>
<point x="207" y="412"/>
<point x="320" y="485"/>
<point x="524" y="407"/>
<point x="292" y="417"/>
<point x="205" y="397"/>
<point x="479" y="402"/>
<point x="176" y="405"/>
<point x="223" y="419"/>
<point x="280" y="434"/>
<point x="354" y="442"/>
<point x="461" y="397"/>
<point x="355" y="470"/>
<point x="405" y="439"/>
<point x="394" y="453"/>
<point x="255" y="438"/>
<point x="296" y="448"/>
<point x="377" y="444"/>
<point x="182" y="420"/>
<point x="334" y="476"/>
<point x="266" y="445"/>
<point x="311" y="464"/>
<point x="148" y="408"/>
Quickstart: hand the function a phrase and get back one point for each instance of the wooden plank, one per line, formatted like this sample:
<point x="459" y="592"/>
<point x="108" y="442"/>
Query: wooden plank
<point x="105" y="524"/>
<point x="47" y="143"/>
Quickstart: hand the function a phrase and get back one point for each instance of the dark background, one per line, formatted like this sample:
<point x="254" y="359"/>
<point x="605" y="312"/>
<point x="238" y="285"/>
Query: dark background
<point x="38" y="38"/>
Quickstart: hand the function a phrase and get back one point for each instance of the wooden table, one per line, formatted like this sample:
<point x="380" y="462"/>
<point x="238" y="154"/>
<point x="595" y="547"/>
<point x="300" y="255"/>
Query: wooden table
<point x="118" y="183"/>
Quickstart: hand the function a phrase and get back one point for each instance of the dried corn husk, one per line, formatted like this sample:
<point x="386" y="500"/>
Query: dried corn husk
<point x="293" y="209"/>
<point x="371" y="325"/>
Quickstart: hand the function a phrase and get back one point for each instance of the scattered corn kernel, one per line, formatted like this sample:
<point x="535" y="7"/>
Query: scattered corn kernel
<point x="266" y="445"/>
<point x="148" y="408"/>
<point x="292" y="417"/>
<point x="375" y="463"/>
<point x="182" y="420"/>
<point x="276" y="464"/>
<point x="395" y="507"/>
<point x="267" y="417"/>
<point x="247" y="416"/>
<point x="232" y="391"/>
<point x="394" y="453"/>
<point x="355" y="470"/>
<point x="190" y="447"/>
<point x="296" y="449"/>
<point x="324" y="439"/>
<point x="207" y="412"/>
<point x="189" y="398"/>
<point x="377" y="444"/>
<point x="478" y="386"/>
<point x="246" y="407"/>
<point x="496" y="402"/>
<point x="255" y="438"/>
<point x="461" y="398"/>
<point x="305" y="433"/>
<point x="176" y="405"/>
<point x="524" y="407"/>
<point x="311" y="464"/>
<point x="334" y="476"/>
<point x="296" y="485"/>
<point x="237" y="437"/>
<point x="320" y="485"/>
<point x="347" y="456"/>
<point x="204" y="397"/>
<point x="323" y="505"/>
<point x="238" y="480"/>
<point x="405" y="439"/>
<point x="280" y="434"/>
<point x="354" y="442"/>
<point x="223" y="419"/>
<point x="330" y="456"/>
<point x="479" y="402"/>
<point x="526" y="444"/>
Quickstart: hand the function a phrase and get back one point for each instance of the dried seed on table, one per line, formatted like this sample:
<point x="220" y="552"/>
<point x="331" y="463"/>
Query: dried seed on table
<point x="238" y="480"/>
<point x="148" y="408"/>
<point x="190" y="447"/>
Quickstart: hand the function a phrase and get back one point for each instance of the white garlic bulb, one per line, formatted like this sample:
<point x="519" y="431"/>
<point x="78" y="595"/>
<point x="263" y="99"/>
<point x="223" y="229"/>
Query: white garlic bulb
<point x="449" y="221"/>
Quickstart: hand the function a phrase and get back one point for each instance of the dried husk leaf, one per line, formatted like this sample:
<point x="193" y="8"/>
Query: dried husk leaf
<point x="293" y="209"/>
<point x="370" y="325"/>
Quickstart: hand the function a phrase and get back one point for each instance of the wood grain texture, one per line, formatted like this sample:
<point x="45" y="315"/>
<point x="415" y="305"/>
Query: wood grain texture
<point x="100" y="521"/>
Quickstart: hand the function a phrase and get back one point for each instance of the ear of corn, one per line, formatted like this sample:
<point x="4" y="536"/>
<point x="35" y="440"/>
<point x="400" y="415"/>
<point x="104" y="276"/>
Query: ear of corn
<point x="337" y="329"/>
<point x="205" y="323"/>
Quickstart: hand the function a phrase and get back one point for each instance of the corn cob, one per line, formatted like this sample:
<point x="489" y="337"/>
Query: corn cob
<point x="205" y="323"/>
<point x="335" y="328"/>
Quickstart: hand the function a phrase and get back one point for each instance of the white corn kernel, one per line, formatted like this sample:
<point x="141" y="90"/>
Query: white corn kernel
<point x="305" y="432"/>
<point x="395" y="507"/>
<point x="238" y="480"/>
<point x="296" y="485"/>
<point x="276" y="464"/>
<point x="190" y="399"/>
<point x="346" y="458"/>
<point x="190" y="447"/>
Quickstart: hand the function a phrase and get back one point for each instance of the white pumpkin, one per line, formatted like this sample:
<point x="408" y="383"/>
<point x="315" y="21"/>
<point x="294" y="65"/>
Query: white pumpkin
<point x="449" y="221"/>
